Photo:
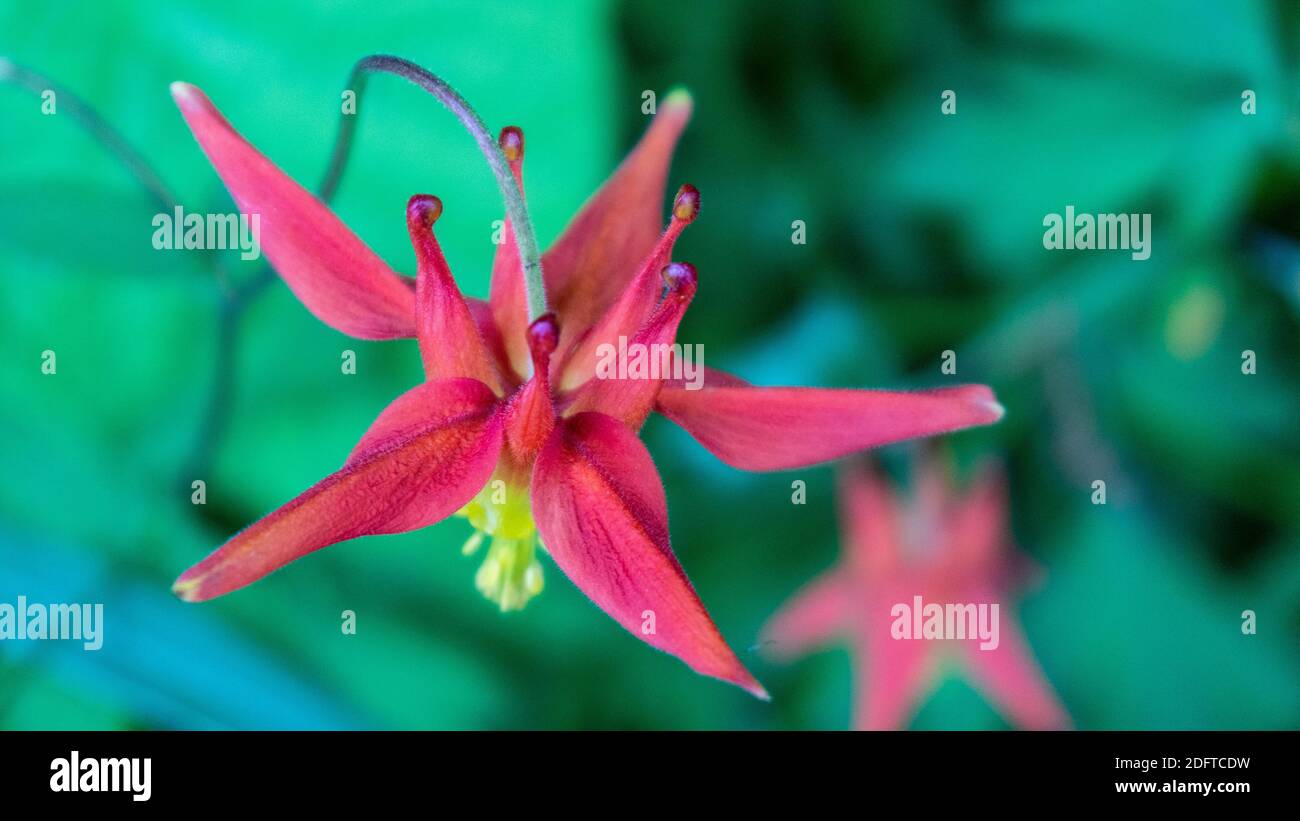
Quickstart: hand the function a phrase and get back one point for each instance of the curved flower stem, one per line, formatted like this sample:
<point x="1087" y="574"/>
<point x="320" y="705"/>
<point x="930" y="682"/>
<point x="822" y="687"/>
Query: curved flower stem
<point x="234" y="299"/>
<point x="113" y="141"/>
<point x="516" y="208"/>
<point x="99" y="129"/>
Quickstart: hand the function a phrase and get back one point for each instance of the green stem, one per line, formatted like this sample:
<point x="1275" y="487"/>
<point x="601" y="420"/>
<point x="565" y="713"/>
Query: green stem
<point x="516" y="208"/>
<point x="236" y="299"/>
<point x="100" y="130"/>
<point x="112" y="140"/>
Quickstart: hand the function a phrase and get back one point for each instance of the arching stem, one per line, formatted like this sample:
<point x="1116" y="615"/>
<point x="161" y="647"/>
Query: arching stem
<point x="516" y="209"/>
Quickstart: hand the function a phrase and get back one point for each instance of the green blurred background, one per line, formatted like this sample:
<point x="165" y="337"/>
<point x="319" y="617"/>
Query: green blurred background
<point x="924" y="233"/>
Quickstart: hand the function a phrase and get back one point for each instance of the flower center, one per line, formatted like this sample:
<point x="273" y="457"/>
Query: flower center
<point x="510" y="574"/>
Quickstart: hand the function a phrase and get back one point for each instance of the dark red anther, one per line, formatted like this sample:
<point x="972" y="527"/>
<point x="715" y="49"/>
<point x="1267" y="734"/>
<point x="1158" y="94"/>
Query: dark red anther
<point x="543" y="336"/>
<point x="680" y="277"/>
<point x="686" y="205"/>
<point x="423" y="210"/>
<point x="512" y="143"/>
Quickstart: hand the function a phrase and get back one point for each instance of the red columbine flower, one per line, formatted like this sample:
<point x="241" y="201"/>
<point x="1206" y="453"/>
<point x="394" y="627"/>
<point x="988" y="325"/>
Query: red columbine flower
<point x="511" y="428"/>
<point x="942" y="549"/>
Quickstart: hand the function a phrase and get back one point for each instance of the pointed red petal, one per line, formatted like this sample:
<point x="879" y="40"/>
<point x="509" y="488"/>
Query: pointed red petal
<point x="327" y="267"/>
<point x="450" y="345"/>
<point x="756" y="428"/>
<point x="491" y="336"/>
<point x="408" y="473"/>
<point x="592" y="261"/>
<point x="811" y="618"/>
<point x="530" y="415"/>
<point x="601" y="513"/>
<point x="507" y="297"/>
<point x="635" y="305"/>
<point x="630" y="395"/>
<point x="1011" y="679"/>
<point x="428" y="404"/>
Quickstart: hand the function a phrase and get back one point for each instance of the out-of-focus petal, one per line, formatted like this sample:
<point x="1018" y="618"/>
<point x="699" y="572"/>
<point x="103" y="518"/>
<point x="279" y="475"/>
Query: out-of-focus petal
<point x="869" y="520"/>
<point x="410" y="472"/>
<point x="814" y="616"/>
<point x="755" y="428"/>
<point x="891" y="674"/>
<point x="331" y="271"/>
<point x="978" y="534"/>
<point x="601" y="513"/>
<point x="1011" y="679"/>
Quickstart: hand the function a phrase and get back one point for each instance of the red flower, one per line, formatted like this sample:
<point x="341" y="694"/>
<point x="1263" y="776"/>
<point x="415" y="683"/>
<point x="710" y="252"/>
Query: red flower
<point x="943" y="549"/>
<point x="519" y="402"/>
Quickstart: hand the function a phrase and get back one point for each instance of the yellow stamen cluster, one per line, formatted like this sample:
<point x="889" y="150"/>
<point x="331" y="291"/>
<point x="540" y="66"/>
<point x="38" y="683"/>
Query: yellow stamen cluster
<point x="510" y="574"/>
